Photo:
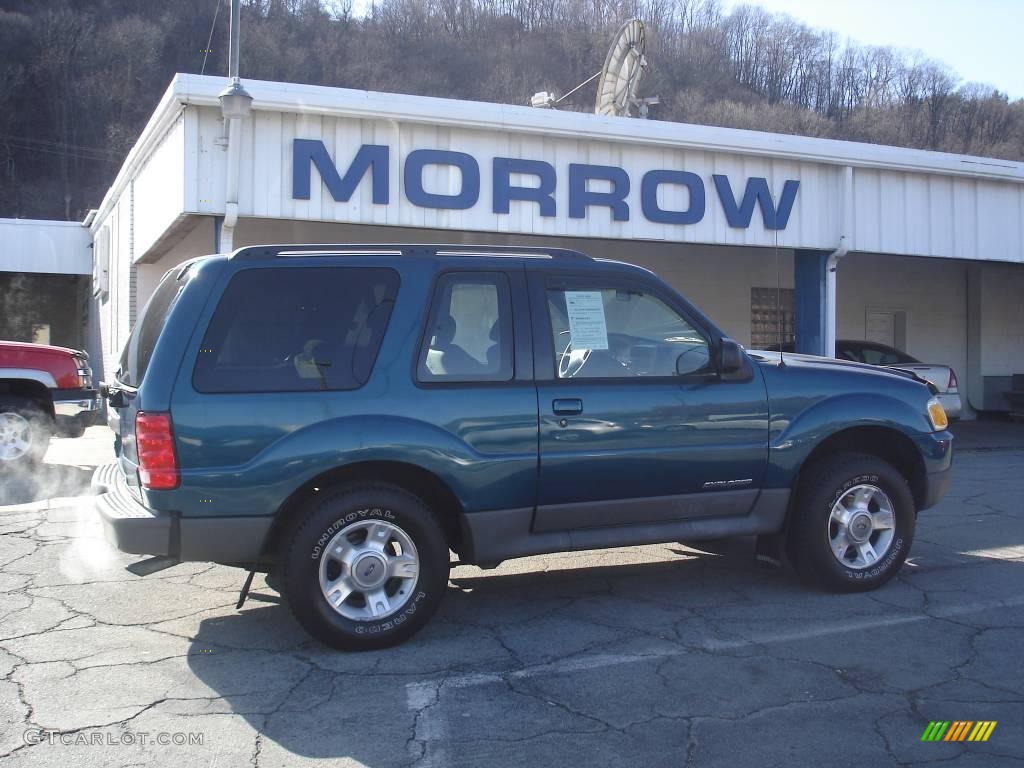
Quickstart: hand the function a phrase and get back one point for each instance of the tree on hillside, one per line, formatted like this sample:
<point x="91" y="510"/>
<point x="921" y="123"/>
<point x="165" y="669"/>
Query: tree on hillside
<point x="78" y="80"/>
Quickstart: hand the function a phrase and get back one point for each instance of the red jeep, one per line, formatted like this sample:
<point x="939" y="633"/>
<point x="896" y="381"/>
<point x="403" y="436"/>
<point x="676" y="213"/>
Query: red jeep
<point x="43" y="390"/>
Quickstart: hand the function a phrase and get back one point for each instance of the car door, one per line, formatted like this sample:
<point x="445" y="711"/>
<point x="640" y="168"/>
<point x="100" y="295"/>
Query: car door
<point x="636" y="425"/>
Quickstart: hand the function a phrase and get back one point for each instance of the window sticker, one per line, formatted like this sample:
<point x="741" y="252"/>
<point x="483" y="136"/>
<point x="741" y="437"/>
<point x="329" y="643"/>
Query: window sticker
<point x="587" y="329"/>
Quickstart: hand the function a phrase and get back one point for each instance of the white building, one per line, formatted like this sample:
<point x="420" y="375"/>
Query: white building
<point x="933" y="243"/>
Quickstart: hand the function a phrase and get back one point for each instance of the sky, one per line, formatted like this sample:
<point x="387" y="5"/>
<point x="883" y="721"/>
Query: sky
<point x="979" y="39"/>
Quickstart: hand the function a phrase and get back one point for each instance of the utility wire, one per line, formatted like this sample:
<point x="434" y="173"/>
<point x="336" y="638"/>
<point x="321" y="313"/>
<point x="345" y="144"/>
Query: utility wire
<point x="57" y="144"/>
<point x="209" y="40"/>
<point x="58" y="148"/>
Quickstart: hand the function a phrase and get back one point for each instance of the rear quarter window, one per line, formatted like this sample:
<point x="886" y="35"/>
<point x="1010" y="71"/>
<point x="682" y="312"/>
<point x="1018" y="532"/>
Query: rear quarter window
<point x="296" y="329"/>
<point x="138" y="350"/>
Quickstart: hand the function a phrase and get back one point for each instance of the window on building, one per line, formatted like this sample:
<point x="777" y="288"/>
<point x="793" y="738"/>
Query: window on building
<point x="469" y="335"/>
<point x="295" y="329"/>
<point x="772" y="318"/>
<point x="618" y="333"/>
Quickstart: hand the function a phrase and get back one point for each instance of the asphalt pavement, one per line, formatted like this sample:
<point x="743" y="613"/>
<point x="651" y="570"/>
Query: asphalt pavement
<point x="647" y="656"/>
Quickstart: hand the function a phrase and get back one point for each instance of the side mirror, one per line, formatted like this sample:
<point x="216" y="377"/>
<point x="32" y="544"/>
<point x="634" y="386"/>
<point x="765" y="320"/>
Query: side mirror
<point x="113" y="395"/>
<point x="730" y="357"/>
<point x="694" y="360"/>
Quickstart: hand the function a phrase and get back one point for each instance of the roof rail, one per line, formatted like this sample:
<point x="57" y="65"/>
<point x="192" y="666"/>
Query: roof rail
<point x="260" y="252"/>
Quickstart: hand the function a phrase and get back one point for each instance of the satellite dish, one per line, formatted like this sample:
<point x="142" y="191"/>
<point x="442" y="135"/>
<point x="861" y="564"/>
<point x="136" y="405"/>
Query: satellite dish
<point x="623" y="67"/>
<point x="619" y="78"/>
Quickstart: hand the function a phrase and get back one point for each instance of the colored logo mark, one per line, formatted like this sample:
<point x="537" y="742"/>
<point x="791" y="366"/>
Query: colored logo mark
<point x="958" y="730"/>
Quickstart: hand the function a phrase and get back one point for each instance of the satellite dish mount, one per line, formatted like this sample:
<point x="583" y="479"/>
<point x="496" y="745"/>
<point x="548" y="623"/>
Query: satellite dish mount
<point x="619" y="78"/>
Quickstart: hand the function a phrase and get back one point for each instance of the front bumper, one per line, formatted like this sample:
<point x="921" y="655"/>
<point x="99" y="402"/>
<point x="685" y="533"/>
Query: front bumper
<point x="937" y="452"/>
<point x="71" y="403"/>
<point x="936" y="485"/>
<point x="134" y="528"/>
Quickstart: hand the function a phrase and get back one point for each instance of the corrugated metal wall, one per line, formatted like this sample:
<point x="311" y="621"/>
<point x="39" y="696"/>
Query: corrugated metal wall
<point x="266" y="181"/>
<point x="895" y="212"/>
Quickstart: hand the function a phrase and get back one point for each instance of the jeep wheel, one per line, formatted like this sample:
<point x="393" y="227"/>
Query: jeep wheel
<point x="24" y="432"/>
<point x="853" y="524"/>
<point x="365" y="568"/>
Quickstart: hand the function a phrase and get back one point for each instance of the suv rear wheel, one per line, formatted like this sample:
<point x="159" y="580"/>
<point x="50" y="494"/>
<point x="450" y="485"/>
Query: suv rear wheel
<point x="25" y="430"/>
<point x="853" y="525"/>
<point x="365" y="568"/>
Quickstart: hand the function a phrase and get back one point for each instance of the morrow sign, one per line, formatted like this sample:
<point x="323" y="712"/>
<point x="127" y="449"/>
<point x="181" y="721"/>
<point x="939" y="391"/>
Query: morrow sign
<point x="374" y="160"/>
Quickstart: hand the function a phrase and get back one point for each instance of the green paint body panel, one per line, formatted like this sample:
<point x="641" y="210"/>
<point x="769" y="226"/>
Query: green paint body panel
<point x="500" y="446"/>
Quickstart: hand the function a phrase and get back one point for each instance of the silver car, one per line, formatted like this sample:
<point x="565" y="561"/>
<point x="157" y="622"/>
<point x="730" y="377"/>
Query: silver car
<point x="873" y="353"/>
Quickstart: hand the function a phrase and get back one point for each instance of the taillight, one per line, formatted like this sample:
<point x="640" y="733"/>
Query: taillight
<point x="84" y="371"/>
<point x="953" y="385"/>
<point x="158" y="462"/>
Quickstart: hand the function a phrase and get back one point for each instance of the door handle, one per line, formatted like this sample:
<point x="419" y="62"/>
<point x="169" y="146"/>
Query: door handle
<point x="567" y="406"/>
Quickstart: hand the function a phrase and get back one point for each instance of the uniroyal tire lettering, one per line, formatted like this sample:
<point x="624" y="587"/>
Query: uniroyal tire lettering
<point x="337" y="525"/>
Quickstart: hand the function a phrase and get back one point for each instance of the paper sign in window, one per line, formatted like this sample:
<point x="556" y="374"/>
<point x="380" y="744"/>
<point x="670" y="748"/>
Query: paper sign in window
<point x="587" y="329"/>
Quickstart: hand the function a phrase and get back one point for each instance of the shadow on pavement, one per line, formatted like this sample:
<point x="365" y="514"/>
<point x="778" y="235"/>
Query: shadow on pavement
<point x="313" y="701"/>
<point x="379" y="708"/>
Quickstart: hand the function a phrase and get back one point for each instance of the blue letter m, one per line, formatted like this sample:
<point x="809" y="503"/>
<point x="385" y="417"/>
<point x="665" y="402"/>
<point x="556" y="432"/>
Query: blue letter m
<point x="309" y="152"/>
<point x="757" y="191"/>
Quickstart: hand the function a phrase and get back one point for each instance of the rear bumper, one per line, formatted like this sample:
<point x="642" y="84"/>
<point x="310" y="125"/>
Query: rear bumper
<point x="70" y="403"/>
<point x="127" y="524"/>
<point x="135" y="529"/>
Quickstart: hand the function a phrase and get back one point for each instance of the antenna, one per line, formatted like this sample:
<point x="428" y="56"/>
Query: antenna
<point x="209" y="42"/>
<point x="778" y="300"/>
<point x="620" y="76"/>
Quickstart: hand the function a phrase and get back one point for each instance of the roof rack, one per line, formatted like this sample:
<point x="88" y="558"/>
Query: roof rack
<point x="259" y="252"/>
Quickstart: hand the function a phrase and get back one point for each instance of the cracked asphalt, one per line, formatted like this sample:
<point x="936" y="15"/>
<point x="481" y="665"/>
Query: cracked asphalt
<point x="658" y="655"/>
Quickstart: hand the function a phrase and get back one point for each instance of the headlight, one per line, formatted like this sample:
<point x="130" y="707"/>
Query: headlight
<point x="937" y="415"/>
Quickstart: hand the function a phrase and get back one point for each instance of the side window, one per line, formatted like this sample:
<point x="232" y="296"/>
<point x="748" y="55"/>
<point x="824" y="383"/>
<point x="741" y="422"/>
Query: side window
<point x="618" y="333"/>
<point x="295" y="329"/>
<point x="469" y="333"/>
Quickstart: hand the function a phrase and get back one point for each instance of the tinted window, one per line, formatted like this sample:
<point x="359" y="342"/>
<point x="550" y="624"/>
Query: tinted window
<point x="469" y="334"/>
<point x="139" y="348"/>
<point x="614" y="333"/>
<point x="294" y="329"/>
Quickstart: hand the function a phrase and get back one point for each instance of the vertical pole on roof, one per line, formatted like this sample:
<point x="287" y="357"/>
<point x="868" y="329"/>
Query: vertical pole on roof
<point x="236" y="8"/>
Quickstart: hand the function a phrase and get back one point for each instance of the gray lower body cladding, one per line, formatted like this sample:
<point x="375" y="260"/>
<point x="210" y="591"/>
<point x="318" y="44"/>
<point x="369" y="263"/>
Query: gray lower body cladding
<point x="137" y="530"/>
<point x="507" y="533"/>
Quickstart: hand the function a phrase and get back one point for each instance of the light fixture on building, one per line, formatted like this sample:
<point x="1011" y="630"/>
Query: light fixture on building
<point x="235" y="101"/>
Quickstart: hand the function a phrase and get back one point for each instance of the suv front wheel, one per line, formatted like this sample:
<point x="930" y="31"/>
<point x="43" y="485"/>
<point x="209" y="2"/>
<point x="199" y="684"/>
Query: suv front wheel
<point x="365" y="568"/>
<point x="853" y="523"/>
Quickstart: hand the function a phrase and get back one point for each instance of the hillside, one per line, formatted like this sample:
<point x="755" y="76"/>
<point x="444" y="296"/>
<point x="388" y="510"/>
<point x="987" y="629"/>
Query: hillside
<point x="79" y="79"/>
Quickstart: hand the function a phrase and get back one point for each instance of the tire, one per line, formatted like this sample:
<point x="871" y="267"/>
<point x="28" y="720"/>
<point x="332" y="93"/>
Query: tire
<point x="375" y="614"/>
<point x="860" y="489"/>
<point x="25" y="431"/>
